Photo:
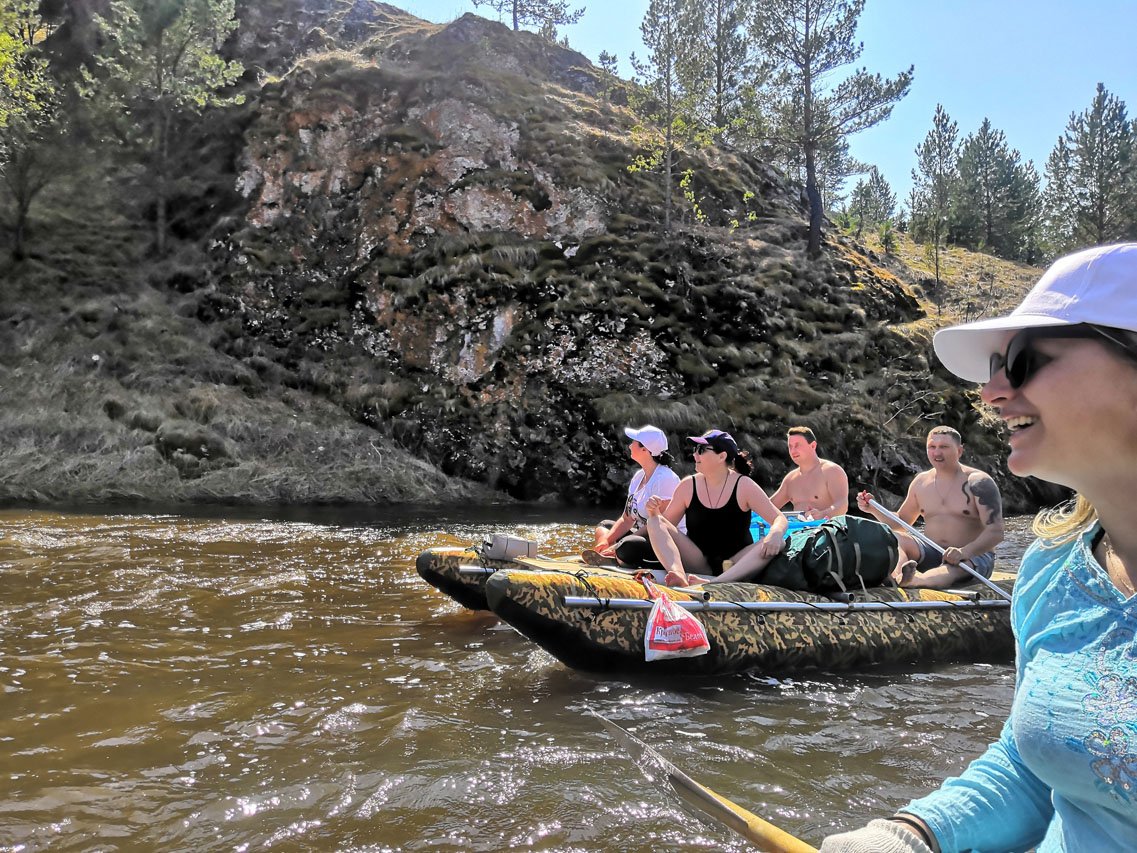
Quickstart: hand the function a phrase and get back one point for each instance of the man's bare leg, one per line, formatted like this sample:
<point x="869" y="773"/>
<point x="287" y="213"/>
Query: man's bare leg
<point x="940" y="577"/>
<point x="907" y="553"/>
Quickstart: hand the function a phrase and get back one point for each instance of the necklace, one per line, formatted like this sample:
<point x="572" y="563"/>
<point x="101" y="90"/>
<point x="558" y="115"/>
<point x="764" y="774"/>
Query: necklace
<point x="721" y="491"/>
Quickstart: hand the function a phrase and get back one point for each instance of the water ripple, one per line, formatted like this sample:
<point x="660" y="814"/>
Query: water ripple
<point x="237" y="684"/>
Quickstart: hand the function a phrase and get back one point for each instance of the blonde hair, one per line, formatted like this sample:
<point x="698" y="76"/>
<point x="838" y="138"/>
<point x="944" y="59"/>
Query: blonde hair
<point x="1061" y="524"/>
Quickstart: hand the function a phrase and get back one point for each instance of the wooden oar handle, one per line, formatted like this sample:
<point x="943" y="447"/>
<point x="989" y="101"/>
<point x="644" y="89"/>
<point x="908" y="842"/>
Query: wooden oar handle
<point x="763" y="834"/>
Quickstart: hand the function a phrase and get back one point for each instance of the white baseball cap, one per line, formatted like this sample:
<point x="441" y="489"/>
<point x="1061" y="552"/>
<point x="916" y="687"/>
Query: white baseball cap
<point x="1097" y="286"/>
<point x="653" y="438"/>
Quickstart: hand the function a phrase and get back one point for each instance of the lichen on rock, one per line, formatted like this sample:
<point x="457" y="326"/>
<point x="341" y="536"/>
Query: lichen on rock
<point x="462" y="194"/>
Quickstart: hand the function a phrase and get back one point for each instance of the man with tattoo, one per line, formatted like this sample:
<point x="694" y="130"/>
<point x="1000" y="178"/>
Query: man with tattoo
<point x="962" y="512"/>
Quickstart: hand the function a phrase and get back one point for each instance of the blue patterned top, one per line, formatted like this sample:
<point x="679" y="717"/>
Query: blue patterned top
<point x="1063" y="774"/>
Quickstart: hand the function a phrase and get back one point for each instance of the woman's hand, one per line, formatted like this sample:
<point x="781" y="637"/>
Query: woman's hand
<point x="880" y="836"/>
<point x="771" y="546"/>
<point x="657" y="505"/>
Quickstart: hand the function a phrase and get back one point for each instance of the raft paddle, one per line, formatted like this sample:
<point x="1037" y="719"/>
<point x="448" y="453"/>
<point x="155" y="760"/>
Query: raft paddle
<point x="766" y="836"/>
<point x="891" y="516"/>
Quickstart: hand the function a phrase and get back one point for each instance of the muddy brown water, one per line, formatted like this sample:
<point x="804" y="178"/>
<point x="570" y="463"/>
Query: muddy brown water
<point x="231" y="681"/>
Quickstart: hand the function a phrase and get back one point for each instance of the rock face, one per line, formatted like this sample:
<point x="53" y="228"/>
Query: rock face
<point x="444" y="234"/>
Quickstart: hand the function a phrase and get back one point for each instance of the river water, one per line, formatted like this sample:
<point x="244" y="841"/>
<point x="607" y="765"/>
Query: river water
<point x="237" y="681"/>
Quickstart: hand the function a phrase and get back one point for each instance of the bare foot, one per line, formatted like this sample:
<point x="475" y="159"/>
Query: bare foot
<point x="675" y="579"/>
<point x="904" y="573"/>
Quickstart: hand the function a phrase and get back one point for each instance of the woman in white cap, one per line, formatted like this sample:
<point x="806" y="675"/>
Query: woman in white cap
<point x="625" y="539"/>
<point x="1061" y="371"/>
<point x="717" y="502"/>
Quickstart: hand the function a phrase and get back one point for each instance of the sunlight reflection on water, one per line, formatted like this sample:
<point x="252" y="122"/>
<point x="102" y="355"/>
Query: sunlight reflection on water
<point x="175" y="682"/>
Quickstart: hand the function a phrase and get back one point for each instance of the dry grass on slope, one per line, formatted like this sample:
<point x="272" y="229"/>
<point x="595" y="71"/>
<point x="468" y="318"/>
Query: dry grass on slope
<point x="972" y="285"/>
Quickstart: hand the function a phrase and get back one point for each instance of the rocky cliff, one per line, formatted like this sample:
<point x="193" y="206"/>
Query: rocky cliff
<point x="438" y="245"/>
<point x="449" y="211"/>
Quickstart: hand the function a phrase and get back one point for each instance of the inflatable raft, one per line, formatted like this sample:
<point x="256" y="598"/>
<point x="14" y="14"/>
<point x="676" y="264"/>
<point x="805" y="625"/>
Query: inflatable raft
<point x="594" y="619"/>
<point x="462" y="573"/>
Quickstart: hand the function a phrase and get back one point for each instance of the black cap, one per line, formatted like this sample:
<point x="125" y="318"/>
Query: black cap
<point x="718" y="441"/>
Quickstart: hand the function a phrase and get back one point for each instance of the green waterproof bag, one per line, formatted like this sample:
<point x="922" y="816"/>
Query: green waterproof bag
<point x="842" y="553"/>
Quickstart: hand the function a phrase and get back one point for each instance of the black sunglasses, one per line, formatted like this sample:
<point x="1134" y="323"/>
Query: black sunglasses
<point x="700" y="449"/>
<point x="1021" y="360"/>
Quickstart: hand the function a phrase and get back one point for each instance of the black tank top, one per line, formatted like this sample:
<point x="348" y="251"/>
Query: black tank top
<point x="720" y="533"/>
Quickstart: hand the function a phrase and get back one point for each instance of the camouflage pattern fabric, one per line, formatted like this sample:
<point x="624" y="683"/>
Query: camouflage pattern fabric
<point x="439" y="567"/>
<point x="606" y="640"/>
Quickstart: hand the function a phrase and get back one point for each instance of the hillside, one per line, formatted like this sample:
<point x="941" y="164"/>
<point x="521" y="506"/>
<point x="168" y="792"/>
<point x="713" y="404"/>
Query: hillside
<point x="973" y="285"/>
<point x="433" y="277"/>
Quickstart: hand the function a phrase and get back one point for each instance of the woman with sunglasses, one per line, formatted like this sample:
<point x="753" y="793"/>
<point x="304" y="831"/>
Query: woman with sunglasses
<point x="625" y="539"/>
<point x="1061" y="371"/>
<point x="717" y="502"/>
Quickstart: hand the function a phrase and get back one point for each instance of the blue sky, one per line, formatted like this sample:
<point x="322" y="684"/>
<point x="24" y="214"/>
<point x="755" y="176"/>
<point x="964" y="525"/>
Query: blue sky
<point x="1025" y="64"/>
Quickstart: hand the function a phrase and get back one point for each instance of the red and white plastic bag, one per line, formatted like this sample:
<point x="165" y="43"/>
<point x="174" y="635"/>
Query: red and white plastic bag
<point x="672" y="632"/>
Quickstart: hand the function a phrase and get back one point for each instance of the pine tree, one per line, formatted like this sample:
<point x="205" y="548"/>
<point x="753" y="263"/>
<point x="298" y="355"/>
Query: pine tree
<point x="714" y="62"/>
<point x="1025" y="214"/>
<point x="872" y="202"/>
<point x="935" y="182"/>
<point x="161" y="62"/>
<point x="545" y="15"/>
<point x="832" y="163"/>
<point x="1091" y="177"/>
<point x="881" y="199"/>
<point x="808" y="41"/>
<point x="996" y="207"/>
<point x="1058" y="203"/>
<point x="610" y="82"/>
<point x="668" y="105"/>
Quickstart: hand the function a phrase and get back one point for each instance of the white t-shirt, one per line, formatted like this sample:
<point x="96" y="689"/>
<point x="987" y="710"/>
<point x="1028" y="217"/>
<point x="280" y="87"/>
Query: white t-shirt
<point x="662" y="482"/>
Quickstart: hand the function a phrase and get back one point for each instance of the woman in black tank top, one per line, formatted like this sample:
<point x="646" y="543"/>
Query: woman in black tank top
<point x="717" y="501"/>
<point x="720" y="532"/>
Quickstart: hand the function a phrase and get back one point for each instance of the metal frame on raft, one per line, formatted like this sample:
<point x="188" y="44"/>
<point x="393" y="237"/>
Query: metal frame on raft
<point x="703" y="603"/>
<point x="787" y="606"/>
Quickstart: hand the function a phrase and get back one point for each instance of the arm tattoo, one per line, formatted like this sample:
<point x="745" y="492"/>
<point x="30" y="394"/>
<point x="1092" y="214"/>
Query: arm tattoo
<point x="987" y="496"/>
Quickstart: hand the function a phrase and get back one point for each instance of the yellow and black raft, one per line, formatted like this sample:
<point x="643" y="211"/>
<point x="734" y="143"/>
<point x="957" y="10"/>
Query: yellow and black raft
<point x="595" y="619"/>
<point x="460" y="573"/>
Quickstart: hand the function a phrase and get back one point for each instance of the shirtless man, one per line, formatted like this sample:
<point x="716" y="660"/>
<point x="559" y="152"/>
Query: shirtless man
<point x="817" y="488"/>
<point x="962" y="512"/>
